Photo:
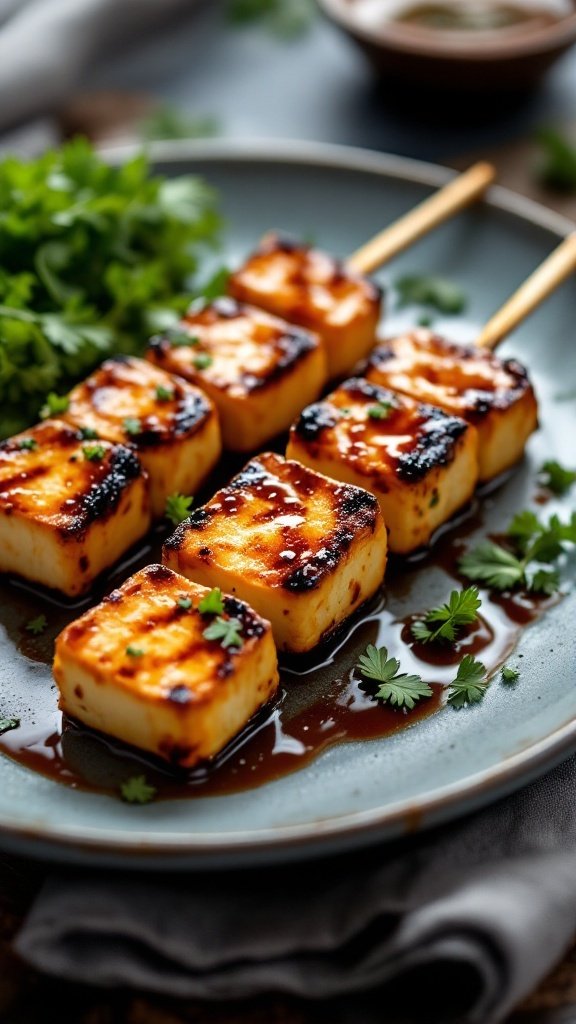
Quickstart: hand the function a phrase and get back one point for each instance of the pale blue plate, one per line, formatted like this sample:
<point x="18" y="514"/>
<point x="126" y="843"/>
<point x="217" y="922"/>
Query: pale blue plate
<point x="452" y="762"/>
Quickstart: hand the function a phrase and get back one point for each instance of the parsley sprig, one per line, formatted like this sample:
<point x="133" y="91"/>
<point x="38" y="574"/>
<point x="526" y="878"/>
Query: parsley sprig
<point x="136" y="790"/>
<point x="213" y="603"/>
<point x="444" y="622"/>
<point x="178" y="508"/>
<point x="397" y="688"/>
<point x="557" y="478"/>
<point x="532" y="548"/>
<point x="470" y="683"/>
<point x="227" y="631"/>
<point x="37" y="626"/>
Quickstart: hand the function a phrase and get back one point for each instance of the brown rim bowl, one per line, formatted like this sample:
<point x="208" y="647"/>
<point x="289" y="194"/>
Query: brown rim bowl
<point x="511" y="61"/>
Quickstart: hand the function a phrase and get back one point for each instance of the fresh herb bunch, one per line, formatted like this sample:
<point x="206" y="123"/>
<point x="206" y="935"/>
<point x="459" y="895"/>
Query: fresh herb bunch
<point x="529" y="557"/>
<point x="93" y="259"/>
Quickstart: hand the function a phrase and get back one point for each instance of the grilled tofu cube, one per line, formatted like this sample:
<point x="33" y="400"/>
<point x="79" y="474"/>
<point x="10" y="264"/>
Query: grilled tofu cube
<point x="495" y="395"/>
<point x="258" y="370"/>
<point x="421" y="463"/>
<point x="140" y="667"/>
<point x="308" y="287"/>
<point x="172" y="425"/>
<point x="301" y="549"/>
<point x="68" y="508"/>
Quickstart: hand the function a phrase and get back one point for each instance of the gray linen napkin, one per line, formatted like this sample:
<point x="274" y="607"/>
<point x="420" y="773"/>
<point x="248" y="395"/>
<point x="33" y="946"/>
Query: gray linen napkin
<point x="460" y="923"/>
<point x="48" y="46"/>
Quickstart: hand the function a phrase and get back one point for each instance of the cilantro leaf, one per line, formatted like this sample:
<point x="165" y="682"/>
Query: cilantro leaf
<point x="490" y="563"/>
<point x="28" y="444"/>
<point x="398" y="688"/>
<point x="132" y="425"/>
<point x="178" y="508"/>
<point x="37" y="626"/>
<point x="137" y="791"/>
<point x="202" y="361"/>
<point x="54" y="405"/>
<point x="227" y="631"/>
<point x="429" y="290"/>
<point x="93" y="452"/>
<point x="185" y="603"/>
<point x="212" y="604"/>
<point x="167" y="122"/>
<point x="557" y="478"/>
<point x="135" y="652"/>
<point x="164" y="394"/>
<point x="557" y="166"/>
<point x="88" y="434"/>
<point x="6" y="724"/>
<point x="509" y="674"/>
<point x="380" y="411"/>
<point x="460" y="610"/>
<point x="470" y="683"/>
<point x="180" y="338"/>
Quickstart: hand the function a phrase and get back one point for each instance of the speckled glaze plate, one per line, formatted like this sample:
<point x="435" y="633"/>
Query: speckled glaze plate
<point x="450" y="762"/>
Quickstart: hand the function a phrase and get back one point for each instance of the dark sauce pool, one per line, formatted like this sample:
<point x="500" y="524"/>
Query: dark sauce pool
<point x="322" y="700"/>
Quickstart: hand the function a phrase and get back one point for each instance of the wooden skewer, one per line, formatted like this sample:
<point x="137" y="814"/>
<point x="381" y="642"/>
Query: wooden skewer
<point x="457" y="194"/>
<point x="545" y="279"/>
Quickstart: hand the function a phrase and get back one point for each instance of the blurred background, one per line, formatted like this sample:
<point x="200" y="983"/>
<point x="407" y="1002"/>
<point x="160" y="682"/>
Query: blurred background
<point x="437" y="81"/>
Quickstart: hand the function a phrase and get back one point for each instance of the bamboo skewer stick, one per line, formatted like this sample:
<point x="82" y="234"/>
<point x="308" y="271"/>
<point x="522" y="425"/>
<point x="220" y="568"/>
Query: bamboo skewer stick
<point x="455" y="196"/>
<point x="546" y="278"/>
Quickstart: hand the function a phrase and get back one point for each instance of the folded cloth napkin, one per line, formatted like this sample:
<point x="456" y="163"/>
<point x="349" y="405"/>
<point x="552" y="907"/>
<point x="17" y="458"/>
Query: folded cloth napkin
<point x="48" y="46"/>
<point x="454" y="925"/>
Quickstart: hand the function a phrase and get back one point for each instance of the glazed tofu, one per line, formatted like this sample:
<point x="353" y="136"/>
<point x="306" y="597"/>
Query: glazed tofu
<point x="303" y="550"/>
<point x="171" y="424"/>
<point x="68" y="508"/>
<point x="419" y="462"/>
<point x="258" y="370"/>
<point x="308" y="287"/>
<point x="495" y="395"/>
<point x="140" y="667"/>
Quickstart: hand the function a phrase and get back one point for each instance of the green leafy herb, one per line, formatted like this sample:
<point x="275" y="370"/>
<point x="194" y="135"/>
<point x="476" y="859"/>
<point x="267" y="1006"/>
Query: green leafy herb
<point x="202" y="361"/>
<point x="444" y="622"/>
<point x="470" y="683"/>
<point x="286" y="19"/>
<point x="164" y="394"/>
<point x="93" y="452"/>
<point x="557" y="164"/>
<point x="212" y="604"/>
<point x="88" y="434"/>
<point x="179" y="338"/>
<point x="380" y="411"/>
<point x="185" y="603"/>
<point x="557" y="478"/>
<point x="137" y="791"/>
<point x="135" y="652"/>
<point x="132" y="425"/>
<point x="215" y="286"/>
<point x="54" y="405"/>
<point x="227" y="631"/>
<point x="532" y="544"/>
<point x="428" y="290"/>
<point x="167" y="122"/>
<point x="92" y="256"/>
<point x="38" y="625"/>
<point x="6" y="724"/>
<point x="509" y="674"/>
<point x="28" y="444"/>
<point x="425" y="320"/>
<point x="178" y="508"/>
<point x="398" y="688"/>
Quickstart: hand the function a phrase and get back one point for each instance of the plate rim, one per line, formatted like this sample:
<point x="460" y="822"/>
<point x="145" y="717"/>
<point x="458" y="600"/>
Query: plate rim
<point x="353" y="829"/>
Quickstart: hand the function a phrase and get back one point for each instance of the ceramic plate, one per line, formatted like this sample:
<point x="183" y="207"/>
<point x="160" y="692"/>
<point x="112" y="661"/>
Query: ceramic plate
<point x="448" y="763"/>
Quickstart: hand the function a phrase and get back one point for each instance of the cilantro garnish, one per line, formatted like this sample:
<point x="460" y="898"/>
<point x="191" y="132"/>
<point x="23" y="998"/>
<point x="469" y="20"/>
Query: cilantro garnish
<point x="164" y="394"/>
<point x="135" y="652"/>
<point x="444" y="622"/>
<point x="509" y="674"/>
<point x="137" y="791"/>
<point x="532" y="544"/>
<point x="227" y="631"/>
<point x="212" y="604"/>
<point x="178" y="508"/>
<point x="185" y="603"/>
<point x="93" y="452"/>
<point x="429" y="290"/>
<point x="37" y="626"/>
<point x="380" y="411"/>
<point x="557" y="167"/>
<point x="179" y="338"/>
<point x="470" y="683"/>
<point x="202" y="361"/>
<point x="132" y="425"/>
<point x="425" y="320"/>
<point x="557" y="478"/>
<point x="88" y="434"/>
<point x="28" y="444"/>
<point x="54" y="405"/>
<point x="398" y="688"/>
<point x="6" y="724"/>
